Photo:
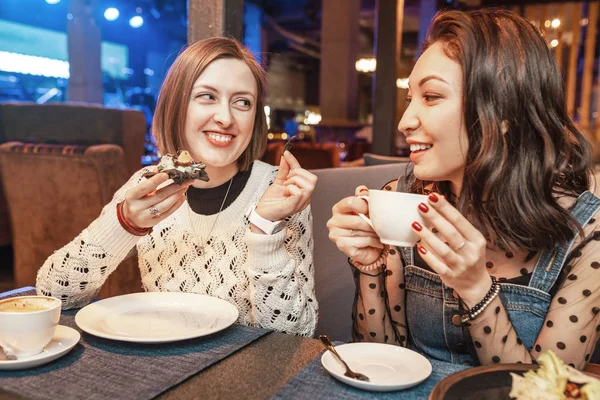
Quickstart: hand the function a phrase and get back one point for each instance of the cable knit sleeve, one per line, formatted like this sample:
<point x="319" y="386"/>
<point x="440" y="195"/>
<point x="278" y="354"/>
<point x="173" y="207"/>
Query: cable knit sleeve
<point x="76" y="272"/>
<point x="282" y="277"/>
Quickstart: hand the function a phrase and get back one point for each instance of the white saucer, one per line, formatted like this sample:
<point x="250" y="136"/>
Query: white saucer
<point x="62" y="342"/>
<point x="156" y="317"/>
<point x="388" y="367"/>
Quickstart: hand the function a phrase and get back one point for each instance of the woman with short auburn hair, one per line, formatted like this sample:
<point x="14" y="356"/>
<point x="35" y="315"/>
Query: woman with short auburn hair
<point x="243" y="235"/>
<point x="171" y="107"/>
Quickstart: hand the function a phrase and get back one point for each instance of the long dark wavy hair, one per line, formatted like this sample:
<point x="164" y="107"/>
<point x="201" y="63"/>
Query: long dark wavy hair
<point x="524" y="149"/>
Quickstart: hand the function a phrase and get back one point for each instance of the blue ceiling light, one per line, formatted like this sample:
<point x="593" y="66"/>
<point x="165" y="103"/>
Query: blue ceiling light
<point x="111" y="14"/>
<point x="136" y="21"/>
<point x="52" y="1"/>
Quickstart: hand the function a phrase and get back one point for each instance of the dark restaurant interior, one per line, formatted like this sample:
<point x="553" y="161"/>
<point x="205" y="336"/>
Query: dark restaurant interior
<point x="79" y="82"/>
<point x="287" y="36"/>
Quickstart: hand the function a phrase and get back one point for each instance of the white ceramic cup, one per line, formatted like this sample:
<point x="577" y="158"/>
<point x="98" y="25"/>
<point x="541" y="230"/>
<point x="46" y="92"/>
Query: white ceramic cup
<point x="392" y="214"/>
<point x="27" y="324"/>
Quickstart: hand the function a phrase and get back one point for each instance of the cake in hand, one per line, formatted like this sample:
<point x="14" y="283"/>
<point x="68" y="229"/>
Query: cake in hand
<point x="180" y="168"/>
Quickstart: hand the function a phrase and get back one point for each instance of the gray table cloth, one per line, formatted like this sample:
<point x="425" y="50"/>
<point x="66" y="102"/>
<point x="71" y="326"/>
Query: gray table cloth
<point x="314" y="382"/>
<point x="98" y="369"/>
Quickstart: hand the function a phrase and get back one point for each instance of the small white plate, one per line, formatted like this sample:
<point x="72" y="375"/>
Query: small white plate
<point x="62" y="342"/>
<point x="388" y="367"/>
<point x="156" y="317"/>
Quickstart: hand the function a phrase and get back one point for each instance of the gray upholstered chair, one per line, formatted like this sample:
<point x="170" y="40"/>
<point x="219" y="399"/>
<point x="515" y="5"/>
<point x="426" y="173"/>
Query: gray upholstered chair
<point x="334" y="282"/>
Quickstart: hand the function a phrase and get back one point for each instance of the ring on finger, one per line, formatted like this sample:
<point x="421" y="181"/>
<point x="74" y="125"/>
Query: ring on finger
<point x="154" y="212"/>
<point x="460" y="246"/>
<point x="354" y="233"/>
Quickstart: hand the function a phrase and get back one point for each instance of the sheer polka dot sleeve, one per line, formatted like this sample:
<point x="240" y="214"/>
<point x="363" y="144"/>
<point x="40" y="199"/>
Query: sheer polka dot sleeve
<point x="378" y="314"/>
<point x="572" y="325"/>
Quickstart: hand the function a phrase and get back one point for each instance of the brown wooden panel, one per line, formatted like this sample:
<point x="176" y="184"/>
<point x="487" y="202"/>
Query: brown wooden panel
<point x="558" y="51"/>
<point x="544" y="14"/>
<point x="588" y="64"/>
<point x="531" y="13"/>
<point x="574" y="10"/>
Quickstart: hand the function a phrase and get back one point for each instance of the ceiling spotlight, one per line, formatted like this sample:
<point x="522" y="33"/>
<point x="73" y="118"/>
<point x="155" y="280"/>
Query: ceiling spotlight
<point x="555" y="23"/>
<point x="111" y="14"/>
<point x="136" y="21"/>
<point x="52" y="1"/>
<point x="554" y="43"/>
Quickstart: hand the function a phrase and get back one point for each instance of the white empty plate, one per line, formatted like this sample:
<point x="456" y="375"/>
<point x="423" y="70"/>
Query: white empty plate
<point x="62" y="342"/>
<point x="156" y="317"/>
<point x="388" y="367"/>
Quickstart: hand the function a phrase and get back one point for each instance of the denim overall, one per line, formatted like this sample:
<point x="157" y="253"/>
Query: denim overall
<point x="433" y="312"/>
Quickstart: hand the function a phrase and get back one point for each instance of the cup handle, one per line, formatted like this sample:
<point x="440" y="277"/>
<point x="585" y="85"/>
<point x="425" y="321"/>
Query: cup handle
<point x="363" y="216"/>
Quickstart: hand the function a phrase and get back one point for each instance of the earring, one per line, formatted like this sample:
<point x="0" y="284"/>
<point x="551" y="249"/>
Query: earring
<point x="504" y="126"/>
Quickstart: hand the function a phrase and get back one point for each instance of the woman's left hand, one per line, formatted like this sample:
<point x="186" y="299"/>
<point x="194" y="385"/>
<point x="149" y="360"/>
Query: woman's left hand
<point x="290" y="192"/>
<point x="459" y="259"/>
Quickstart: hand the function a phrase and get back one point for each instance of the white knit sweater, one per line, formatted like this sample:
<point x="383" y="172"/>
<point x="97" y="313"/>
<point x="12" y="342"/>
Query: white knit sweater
<point x="268" y="277"/>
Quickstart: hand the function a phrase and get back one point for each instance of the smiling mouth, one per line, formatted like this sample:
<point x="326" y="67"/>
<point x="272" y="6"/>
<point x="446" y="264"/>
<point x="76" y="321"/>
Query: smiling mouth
<point x="221" y="138"/>
<point x="418" y="147"/>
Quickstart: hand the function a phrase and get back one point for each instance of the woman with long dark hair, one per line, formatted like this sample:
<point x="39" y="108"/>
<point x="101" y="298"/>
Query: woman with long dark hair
<point x="508" y="263"/>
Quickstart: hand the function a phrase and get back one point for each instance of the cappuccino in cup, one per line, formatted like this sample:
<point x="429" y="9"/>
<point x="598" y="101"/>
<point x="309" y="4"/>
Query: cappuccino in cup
<point x="27" y="324"/>
<point x="26" y="304"/>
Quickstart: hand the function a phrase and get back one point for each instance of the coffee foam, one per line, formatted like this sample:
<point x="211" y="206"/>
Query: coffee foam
<point x="36" y="303"/>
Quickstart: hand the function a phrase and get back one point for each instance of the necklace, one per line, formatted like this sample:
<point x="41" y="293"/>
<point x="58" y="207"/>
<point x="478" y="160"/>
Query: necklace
<point x="205" y="242"/>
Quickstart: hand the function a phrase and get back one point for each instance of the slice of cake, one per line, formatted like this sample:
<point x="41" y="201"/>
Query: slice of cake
<point x="180" y="168"/>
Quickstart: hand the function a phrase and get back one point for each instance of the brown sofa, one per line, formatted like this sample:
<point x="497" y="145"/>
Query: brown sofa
<point x="53" y="192"/>
<point x="70" y="123"/>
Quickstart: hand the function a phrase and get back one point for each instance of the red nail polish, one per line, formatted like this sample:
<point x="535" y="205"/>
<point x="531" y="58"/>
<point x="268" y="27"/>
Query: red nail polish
<point x="423" y="207"/>
<point x="422" y="249"/>
<point x="433" y="197"/>
<point x="417" y="226"/>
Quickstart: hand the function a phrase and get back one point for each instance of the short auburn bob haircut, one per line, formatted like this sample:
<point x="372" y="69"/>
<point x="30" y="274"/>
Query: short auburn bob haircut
<point x="168" y="124"/>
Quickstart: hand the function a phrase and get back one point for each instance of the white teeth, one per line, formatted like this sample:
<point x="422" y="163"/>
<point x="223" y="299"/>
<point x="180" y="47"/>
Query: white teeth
<point x="220" y="138"/>
<point x="419" y="146"/>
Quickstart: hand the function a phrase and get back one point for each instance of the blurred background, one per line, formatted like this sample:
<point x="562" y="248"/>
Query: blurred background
<point x="337" y="72"/>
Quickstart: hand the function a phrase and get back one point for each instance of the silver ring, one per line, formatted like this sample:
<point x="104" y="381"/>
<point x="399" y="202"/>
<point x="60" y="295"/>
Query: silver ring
<point x="460" y="246"/>
<point x="154" y="212"/>
<point x="353" y="233"/>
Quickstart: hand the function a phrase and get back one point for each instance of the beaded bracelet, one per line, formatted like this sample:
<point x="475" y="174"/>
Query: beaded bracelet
<point x="473" y="312"/>
<point x="134" y="230"/>
<point x="361" y="272"/>
<point x="374" y="265"/>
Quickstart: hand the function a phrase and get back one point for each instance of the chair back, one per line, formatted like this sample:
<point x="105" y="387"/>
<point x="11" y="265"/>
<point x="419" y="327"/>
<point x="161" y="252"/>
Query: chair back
<point x="316" y="156"/>
<point x="309" y="155"/>
<point x="333" y="277"/>
<point x="70" y="123"/>
<point x="53" y="192"/>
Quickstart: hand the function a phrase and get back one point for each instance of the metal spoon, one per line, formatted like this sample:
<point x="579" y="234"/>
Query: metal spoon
<point x="349" y="373"/>
<point x="5" y="356"/>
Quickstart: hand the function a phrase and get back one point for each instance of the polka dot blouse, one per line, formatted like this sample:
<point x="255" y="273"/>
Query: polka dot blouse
<point x="571" y="328"/>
